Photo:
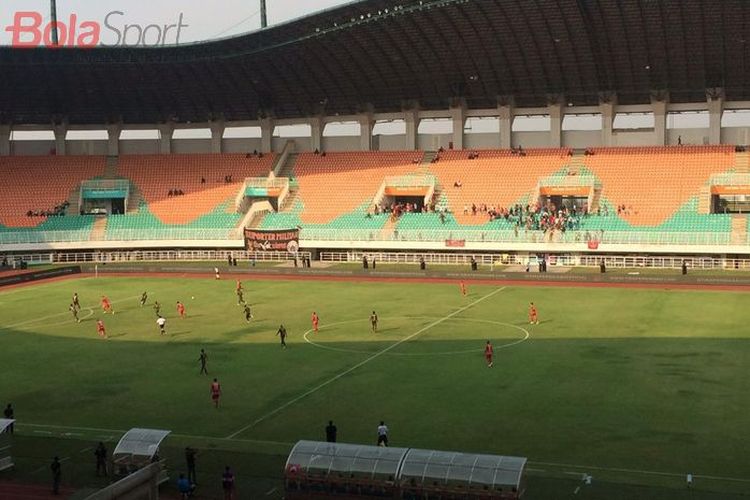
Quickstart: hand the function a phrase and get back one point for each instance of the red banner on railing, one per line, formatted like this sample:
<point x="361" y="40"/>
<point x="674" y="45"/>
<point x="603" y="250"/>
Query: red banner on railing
<point x="593" y="245"/>
<point x="272" y="240"/>
<point x="455" y="243"/>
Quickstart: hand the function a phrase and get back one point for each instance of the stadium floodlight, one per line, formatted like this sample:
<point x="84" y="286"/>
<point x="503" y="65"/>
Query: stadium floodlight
<point x="53" y="21"/>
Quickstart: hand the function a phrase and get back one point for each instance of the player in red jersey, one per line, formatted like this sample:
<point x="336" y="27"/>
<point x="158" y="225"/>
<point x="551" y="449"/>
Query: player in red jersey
<point x="533" y="315"/>
<point x="462" y="285"/>
<point x="181" y="309"/>
<point x="315" y="321"/>
<point x="100" y="328"/>
<point x="488" y="354"/>
<point x="215" y="392"/>
<point x="107" y="305"/>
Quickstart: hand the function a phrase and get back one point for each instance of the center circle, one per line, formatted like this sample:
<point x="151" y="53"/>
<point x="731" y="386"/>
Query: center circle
<point x="524" y="336"/>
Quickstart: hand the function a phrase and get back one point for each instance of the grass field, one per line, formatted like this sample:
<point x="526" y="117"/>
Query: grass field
<point x="618" y="383"/>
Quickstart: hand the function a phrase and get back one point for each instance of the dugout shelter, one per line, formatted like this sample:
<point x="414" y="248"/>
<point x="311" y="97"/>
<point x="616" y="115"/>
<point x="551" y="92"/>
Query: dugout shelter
<point x="6" y="457"/>
<point x="338" y="470"/>
<point x="137" y="449"/>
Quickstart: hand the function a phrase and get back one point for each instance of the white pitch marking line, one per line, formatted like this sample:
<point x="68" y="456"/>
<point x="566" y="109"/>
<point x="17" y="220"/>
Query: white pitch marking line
<point x="644" y="472"/>
<point x="269" y="492"/>
<point x="526" y="333"/>
<point x="361" y="363"/>
<point x="36" y="320"/>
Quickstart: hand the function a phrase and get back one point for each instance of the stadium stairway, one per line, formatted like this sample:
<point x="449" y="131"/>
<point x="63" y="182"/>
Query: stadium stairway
<point x="287" y="169"/>
<point x="742" y="162"/>
<point x="739" y="230"/>
<point x="99" y="229"/>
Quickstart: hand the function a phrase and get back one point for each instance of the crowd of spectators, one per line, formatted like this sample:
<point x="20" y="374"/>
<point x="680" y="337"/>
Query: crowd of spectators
<point x="176" y="192"/>
<point x="59" y="210"/>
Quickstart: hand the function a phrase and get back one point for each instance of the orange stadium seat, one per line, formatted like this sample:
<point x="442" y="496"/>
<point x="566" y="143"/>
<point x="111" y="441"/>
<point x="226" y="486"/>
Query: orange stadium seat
<point x="656" y="181"/>
<point x="497" y="177"/>
<point x="40" y="183"/>
<point x="337" y="183"/>
<point x="156" y="175"/>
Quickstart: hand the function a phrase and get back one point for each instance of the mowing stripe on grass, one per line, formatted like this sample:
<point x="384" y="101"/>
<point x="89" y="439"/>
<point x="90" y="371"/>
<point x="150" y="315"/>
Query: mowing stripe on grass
<point x="360" y="364"/>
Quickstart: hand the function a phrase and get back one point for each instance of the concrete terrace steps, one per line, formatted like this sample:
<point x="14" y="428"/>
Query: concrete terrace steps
<point x="704" y="200"/>
<point x="287" y="169"/>
<point x="290" y="201"/>
<point x="742" y="162"/>
<point x="739" y="230"/>
<point x="99" y="229"/>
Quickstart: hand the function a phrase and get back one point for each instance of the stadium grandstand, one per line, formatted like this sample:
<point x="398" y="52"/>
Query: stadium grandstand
<point x="677" y="181"/>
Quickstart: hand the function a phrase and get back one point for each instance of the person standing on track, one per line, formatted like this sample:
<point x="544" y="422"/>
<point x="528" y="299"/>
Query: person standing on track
<point x="74" y="312"/>
<point x="282" y="335"/>
<point x="203" y="358"/>
<point x="56" y="469"/>
<point x="315" y="321"/>
<point x="374" y="321"/>
<point x="216" y="272"/>
<point x="227" y="483"/>
<point x="101" y="459"/>
<point x="488" y="354"/>
<point x="9" y="414"/>
<point x="215" y="393"/>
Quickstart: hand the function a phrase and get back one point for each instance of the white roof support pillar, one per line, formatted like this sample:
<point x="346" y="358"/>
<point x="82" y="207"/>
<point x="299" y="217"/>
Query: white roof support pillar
<point x="61" y="130"/>
<point x="607" y="108"/>
<point x="505" y="115"/>
<point x="317" y="126"/>
<point x="5" y="140"/>
<point x="166" y="131"/>
<point x="113" y="139"/>
<point x="715" y="99"/>
<point x="458" y="115"/>
<point x="366" y="124"/>
<point x="217" y="135"/>
<point x="411" y="120"/>
<point x="659" y="108"/>
<point x="555" y="124"/>
<point x="266" y="135"/>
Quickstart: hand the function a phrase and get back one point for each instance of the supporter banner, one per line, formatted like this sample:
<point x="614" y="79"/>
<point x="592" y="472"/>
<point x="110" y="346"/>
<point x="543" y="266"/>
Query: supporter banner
<point x="455" y="243"/>
<point x="24" y="277"/>
<point x="279" y="240"/>
<point x="565" y="190"/>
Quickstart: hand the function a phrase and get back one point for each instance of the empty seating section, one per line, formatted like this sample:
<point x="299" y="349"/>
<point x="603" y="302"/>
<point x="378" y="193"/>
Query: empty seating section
<point x="156" y="175"/>
<point x="338" y="183"/>
<point x="39" y="183"/>
<point x="143" y="225"/>
<point x="497" y="178"/>
<point x="653" y="183"/>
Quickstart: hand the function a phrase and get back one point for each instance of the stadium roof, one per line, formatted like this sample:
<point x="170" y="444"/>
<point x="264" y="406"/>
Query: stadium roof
<point x="384" y="55"/>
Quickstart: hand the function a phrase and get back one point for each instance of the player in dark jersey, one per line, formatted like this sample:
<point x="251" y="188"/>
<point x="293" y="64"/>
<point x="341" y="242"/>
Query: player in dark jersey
<point x="374" y="321"/>
<point x="157" y="308"/>
<point x="144" y="298"/>
<point x="203" y="358"/>
<point x="240" y="297"/>
<point x="74" y="311"/>
<point x="75" y="301"/>
<point x="248" y="313"/>
<point x="282" y="335"/>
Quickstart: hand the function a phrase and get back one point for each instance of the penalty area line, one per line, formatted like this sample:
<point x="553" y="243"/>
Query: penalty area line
<point x="360" y="364"/>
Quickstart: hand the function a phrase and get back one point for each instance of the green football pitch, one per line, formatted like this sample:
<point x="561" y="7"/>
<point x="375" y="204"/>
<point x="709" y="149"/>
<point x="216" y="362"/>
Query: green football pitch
<point x="636" y="387"/>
